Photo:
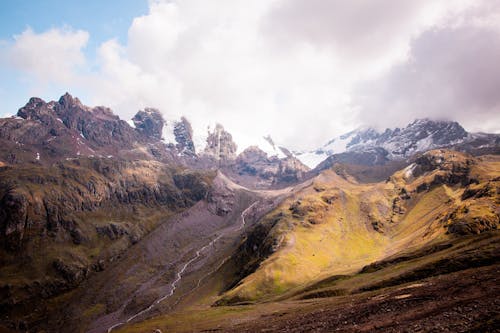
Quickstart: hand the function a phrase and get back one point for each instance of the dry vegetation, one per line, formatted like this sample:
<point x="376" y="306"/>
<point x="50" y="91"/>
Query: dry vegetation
<point x="339" y="241"/>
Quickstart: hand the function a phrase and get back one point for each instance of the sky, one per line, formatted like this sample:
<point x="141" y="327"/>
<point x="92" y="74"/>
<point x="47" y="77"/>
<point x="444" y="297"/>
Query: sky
<point x="303" y="71"/>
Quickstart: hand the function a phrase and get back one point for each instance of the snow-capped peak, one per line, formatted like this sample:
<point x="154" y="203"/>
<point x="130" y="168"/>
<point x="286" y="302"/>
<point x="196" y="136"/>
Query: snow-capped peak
<point x="418" y="136"/>
<point x="267" y="145"/>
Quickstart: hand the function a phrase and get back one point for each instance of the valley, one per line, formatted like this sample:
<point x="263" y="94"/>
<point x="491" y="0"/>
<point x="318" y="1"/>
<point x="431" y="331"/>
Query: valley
<point x="108" y="227"/>
<point x="423" y="276"/>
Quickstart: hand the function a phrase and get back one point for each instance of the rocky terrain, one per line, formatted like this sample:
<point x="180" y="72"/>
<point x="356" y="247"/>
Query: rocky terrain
<point x="368" y="147"/>
<point x="108" y="225"/>
<point x="44" y="133"/>
<point x="63" y="223"/>
<point x="418" y="252"/>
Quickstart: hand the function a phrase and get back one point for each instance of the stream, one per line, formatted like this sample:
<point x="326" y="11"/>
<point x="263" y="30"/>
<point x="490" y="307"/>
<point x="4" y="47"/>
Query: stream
<point x="173" y="285"/>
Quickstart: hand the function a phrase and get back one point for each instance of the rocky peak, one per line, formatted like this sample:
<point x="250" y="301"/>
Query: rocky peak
<point x="35" y="109"/>
<point x="149" y="122"/>
<point x="399" y="143"/>
<point x="67" y="101"/>
<point x="99" y="126"/>
<point x="270" y="140"/>
<point x="183" y="133"/>
<point x="220" y="145"/>
<point x="72" y="112"/>
<point x="252" y="155"/>
<point x="270" y="170"/>
<point x="441" y="132"/>
<point x="361" y="136"/>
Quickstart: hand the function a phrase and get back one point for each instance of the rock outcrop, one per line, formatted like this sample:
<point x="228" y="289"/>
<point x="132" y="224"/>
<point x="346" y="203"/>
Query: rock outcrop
<point x="254" y="162"/>
<point x="149" y="122"/>
<point x="184" y="137"/>
<point x="220" y="146"/>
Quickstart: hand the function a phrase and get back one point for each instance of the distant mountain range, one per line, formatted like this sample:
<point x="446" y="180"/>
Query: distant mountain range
<point x="399" y="143"/>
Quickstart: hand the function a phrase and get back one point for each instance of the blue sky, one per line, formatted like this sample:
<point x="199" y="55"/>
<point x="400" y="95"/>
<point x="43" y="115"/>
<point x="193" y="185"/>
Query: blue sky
<point x="102" y="19"/>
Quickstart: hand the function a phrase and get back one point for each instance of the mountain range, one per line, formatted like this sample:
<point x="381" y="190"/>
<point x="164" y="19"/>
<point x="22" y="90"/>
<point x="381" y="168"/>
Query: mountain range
<point x="139" y="226"/>
<point x="401" y="143"/>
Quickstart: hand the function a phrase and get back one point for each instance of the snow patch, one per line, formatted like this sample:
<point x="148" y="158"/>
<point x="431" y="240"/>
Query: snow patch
<point x="200" y="139"/>
<point x="409" y="170"/>
<point x="268" y="146"/>
<point x="131" y="123"/>
<point x="311" y="159"/>
<point x="424" y="144"/>
<point x="339" y="144"/>
<point x="167" y="134"/>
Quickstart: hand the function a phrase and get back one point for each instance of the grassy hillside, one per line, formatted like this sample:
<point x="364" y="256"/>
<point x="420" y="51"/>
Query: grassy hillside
<point x="336" y="226"/>
<point x="451" y="284"/>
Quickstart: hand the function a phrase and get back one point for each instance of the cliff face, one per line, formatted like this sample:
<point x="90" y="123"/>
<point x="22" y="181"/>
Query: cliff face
<point x="149" y="123"/>
<point x="61" y="223"/>
<point x="220" y="146"/>
<point x="184" y="137"/>
<point x="45" y="198"/>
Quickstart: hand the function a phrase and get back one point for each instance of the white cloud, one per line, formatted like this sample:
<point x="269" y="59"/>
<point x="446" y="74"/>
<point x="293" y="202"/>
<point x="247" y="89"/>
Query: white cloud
<point x="51" y="56"/>
<point x="452" y="73"/>
<point x="289" y="68"/>
<point x="225" y="63"/>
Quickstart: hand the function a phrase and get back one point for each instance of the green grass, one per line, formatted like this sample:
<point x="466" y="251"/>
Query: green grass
<point x="416" y="267"/>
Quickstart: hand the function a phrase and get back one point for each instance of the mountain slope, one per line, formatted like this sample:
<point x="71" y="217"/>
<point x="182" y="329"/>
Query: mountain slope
<point x="106" y="223"/>
<point x="417" y="251"/>
<point x="450" y="285"/>
<point x="337" y="226"/>
<point x="62" y="224"/>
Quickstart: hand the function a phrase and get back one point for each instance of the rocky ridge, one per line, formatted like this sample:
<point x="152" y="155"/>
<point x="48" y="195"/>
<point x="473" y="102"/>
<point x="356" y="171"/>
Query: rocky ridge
<point x="399" y="143"/>
<point x="48" y="132"/>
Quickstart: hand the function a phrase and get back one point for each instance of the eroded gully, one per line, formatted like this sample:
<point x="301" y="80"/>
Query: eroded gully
<point x="179" y="274"/>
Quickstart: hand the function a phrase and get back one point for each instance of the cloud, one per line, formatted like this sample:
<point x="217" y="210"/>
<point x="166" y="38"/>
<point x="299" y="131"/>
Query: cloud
<point x="278" y="67"/>
<point x="452" y="73"/>
<point x="211" y="64"/>
<point x="302" y="71"/>
<point x="51" y="56"/>
<point x="367" y="36"/>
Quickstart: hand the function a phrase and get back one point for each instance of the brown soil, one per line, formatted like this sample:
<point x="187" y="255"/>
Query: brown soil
<point x="465" y="301"/>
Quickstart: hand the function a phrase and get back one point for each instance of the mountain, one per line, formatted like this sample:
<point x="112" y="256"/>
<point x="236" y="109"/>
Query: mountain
<point x="47" y="132"/>
<point x="108" y="225"/>
<point x="418" y="250"/>
<point x="368" y="146"/>
<point x="337" y="226"/>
